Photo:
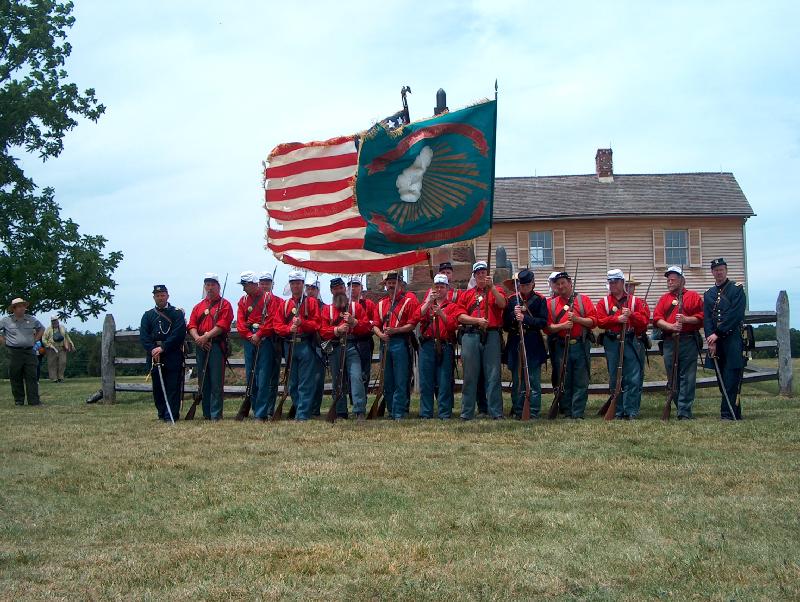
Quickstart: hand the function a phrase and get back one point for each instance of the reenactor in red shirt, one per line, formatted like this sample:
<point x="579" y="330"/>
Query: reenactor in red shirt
<point x="394" y="321"/>
<point x="341" y="323"/>
<point x="209" y="325"/>
<point x="266" y="284"/>
<point x="571" y="318"/>
<point x="616" y="311"/>
<point x="481" y="342"/>
<point x="364" y="340"/>
<point x="254" y="323"/>
<point x="679" y="316"/>
<point x="438" y="325"/>
<point x="297" y="322"/>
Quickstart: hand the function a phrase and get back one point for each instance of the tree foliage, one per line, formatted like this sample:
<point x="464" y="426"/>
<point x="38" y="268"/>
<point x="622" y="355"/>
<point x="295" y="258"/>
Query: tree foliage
<point x="43" y="257"/>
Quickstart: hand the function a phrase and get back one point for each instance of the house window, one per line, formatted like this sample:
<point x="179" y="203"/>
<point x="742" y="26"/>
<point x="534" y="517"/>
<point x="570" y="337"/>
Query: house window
<point x="541" y="248"/>
<point x="676" y="247"/>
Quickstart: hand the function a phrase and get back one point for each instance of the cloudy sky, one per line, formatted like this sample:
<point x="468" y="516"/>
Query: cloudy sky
<point x="197" y="93"/>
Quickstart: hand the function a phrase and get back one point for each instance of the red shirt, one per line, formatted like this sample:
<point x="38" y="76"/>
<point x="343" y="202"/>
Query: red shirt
<point x="307" y="311"/>
<point x="454" y="295"/>
<point x="251" y="317"/>
<point x="431" y="325"/>
<point x="369" y="307"/>
<point x="330" y="318"/>
<point x="692" y="306"/>
<point x="406" y="311"/>
<point x="609" y="308"/>
<point x="555" y="307"/>
<point x="469" y="301"/>
<point x="202" y="316"/>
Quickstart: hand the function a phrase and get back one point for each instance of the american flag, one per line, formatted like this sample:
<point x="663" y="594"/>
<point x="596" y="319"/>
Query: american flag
<point x="313" y="220"/>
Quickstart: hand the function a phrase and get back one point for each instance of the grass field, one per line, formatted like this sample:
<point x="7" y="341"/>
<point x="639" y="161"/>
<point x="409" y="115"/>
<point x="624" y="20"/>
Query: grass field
<point x="101" y="502"/>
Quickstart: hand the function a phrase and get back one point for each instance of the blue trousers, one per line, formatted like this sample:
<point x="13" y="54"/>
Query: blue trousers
<point x="352" y="378"/>
<point x="262" y="382"/>
<point x="474" y="356"/>
<point x="687" y="370"/>
<point x="631" y="373"/>
<point x="213" y="381"/>
<point x="319" y="380"/>
<point x="576" y="379"/>
<point x="396" y="375"/>
<point x="518" y="386"/>
<point x="302" y="378"/>
<point x="436" y="378"/>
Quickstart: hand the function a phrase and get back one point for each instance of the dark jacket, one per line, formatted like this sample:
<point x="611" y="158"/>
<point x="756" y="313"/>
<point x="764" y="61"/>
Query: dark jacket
<point x="167" y="331"/>
<point x="533" y="322"/>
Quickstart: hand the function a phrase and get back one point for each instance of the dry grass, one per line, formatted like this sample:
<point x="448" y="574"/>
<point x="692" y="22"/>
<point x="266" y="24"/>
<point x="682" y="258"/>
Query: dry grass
<point x="102" y="502"/>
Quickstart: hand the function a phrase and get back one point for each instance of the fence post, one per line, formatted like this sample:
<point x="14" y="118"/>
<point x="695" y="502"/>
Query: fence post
<point x="107" y="355"/>
<point x="782" y="333"/>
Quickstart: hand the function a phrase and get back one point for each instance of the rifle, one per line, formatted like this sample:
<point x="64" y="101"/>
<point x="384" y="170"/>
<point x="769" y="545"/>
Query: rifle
<point x="672" y="385"/>
<point x="277" y="414"/>
<point x="378" y="407"/>
<point x="339" y="385"/>
<point x="523" y="358"/>
<point x="244" y="409"/>
<point x="552" y="414"/>
<point x="610" y="406"/>
<point x="197" y="397"/>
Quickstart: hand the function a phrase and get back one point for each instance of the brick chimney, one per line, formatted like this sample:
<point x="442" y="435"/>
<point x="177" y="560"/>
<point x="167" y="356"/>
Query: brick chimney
<point x="604" y="166"/>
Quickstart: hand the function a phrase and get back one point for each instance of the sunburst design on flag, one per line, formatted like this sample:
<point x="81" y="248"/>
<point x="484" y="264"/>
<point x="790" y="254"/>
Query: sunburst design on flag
<point x="447" y="183"/>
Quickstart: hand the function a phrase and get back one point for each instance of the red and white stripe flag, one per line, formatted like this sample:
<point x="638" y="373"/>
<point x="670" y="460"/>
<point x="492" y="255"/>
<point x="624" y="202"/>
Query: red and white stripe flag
<point x="313" y="220"/>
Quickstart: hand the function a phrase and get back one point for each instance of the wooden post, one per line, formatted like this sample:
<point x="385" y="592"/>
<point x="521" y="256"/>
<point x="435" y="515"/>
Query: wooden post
<point x="107" y="351"/>
<point x="784" y="344"/>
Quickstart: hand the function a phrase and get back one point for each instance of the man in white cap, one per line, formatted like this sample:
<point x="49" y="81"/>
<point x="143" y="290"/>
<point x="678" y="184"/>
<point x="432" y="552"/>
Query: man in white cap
<point x="298" y="321"/>
<point x="266" y="284"/>
<point x="254" y="323"/>
<point x="20" y="332"/>
<point x="396" y="316"/>
<point x="481" y="342"/>
<point x="679" y="316"/>
<point x="209" y="325"/>
<point x="57" y="343"/>
<point x="619" y="311"/>
<point x="437" y="326"/>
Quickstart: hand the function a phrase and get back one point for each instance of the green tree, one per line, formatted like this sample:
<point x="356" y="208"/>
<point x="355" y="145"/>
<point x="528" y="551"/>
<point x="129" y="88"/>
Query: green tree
<point x="43" y="257"/>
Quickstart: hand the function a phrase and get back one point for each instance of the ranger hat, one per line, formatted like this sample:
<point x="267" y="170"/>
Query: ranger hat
<point x="336" y="282"/>
<point x="17" y="301"/>
<point x="715" y="263"/>
<point x="296" y="275"/>
<point x="445" y="265"/>
<point x="479" y="265"/>
<point x="265" y="276"/>
<point x="441" y="279"/>
<point x="674" y="269"/>
<point x="248" y="276"/>
<point x="615" y="274"/>
<point x="160" y="288"/>
<point x="391" y="276"/>
<point x="211" y="276"/>
<point x="631" y="280"/>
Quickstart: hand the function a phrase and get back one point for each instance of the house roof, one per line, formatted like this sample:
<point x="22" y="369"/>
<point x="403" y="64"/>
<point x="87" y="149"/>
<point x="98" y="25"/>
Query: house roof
<point x="560" y="197"/>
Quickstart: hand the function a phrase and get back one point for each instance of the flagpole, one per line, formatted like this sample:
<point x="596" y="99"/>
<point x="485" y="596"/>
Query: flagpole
<point x="491" y="191"/>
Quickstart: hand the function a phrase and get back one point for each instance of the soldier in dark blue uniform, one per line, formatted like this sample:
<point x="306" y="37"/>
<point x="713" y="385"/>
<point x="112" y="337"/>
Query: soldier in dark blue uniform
<point x="532" y="312"/>
<point x="162" y="332"/>
<point x="723" y="315"/>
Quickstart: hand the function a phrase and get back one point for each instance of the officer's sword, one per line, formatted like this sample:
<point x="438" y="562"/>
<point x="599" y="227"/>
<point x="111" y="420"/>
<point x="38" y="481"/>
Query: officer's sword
<point x="722" y="386"/>
<point x="164" y="391"/>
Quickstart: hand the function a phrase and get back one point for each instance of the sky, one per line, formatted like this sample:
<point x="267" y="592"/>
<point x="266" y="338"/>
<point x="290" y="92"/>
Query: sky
<point x="198" y="93"/>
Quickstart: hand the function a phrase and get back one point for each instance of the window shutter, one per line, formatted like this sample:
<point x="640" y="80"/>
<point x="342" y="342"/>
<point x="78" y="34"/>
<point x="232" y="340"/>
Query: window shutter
<point x="659" y="253"/>
<point x="695" y="248"/>
<point x="559" y="249"/>
<point x="523" y="250"/>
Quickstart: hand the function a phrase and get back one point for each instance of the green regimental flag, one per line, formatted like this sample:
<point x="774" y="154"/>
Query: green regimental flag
<point x="429" y="183"/>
